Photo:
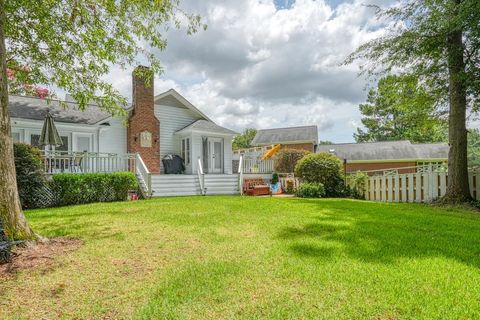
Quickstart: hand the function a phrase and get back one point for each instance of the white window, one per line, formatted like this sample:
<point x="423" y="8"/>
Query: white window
<point x="17" y="135"/>
<point x="35" y="141"/>
<point x="186" y="150"/>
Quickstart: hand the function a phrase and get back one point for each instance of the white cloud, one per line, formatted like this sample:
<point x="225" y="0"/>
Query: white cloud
<point x="257" y="66"/>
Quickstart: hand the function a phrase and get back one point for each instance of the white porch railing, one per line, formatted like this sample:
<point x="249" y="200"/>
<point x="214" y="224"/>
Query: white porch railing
<point x="415" y="187"/>
<point x="201" y="176"/>
<point x="87" y="162"/>
<point x="257" y="166"/>
<point x="240" y="175"/>
<point x="143" y="175"/>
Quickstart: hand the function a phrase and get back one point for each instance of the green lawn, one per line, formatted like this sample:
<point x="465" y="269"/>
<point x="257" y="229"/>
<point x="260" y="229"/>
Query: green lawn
<point x="253" y="258"/>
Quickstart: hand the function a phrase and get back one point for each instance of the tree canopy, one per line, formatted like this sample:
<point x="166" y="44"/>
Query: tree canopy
<point x="244" y="140"/>
<point x="71" y="45"/>
<point x="400" y="108"/>
<point x="438" y="42"/>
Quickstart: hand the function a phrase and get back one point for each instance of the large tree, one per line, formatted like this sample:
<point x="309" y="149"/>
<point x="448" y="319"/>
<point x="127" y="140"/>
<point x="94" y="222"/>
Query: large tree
<point x="400" y="108"/>
<point x="72" y="45"/>
<point x="438" y="41"/>
<point x="244" y="140"/>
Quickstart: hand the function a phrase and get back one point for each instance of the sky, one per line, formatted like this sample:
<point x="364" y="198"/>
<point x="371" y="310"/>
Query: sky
<point x="270" y="63"/>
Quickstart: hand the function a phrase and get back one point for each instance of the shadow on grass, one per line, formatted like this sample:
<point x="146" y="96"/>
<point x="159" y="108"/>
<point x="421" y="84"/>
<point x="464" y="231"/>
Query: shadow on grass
<point x="383" y="233"/>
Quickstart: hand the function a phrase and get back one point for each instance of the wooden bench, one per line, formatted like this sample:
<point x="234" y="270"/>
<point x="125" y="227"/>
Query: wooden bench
<point x="255" y="187"/>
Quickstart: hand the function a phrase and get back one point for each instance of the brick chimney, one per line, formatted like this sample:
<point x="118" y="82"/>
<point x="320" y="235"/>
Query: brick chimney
<point x="143" y="133"/>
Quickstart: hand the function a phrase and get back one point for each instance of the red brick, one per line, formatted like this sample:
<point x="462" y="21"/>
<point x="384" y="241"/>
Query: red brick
<point x="142" y="119"/>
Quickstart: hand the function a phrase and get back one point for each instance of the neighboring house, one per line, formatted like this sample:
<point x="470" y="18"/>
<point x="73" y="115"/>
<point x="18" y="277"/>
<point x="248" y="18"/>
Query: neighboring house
<point x="157" y="125"/>
<point x="389" y="156"/>
<point x="302" y="138"/>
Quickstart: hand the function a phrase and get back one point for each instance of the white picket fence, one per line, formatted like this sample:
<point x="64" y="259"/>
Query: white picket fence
<point x="414" y="187"/>
<point x="257" y="166"/>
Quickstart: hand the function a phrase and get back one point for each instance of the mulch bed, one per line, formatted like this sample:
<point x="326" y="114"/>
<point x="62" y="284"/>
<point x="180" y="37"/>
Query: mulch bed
<point x="38" y="254"/>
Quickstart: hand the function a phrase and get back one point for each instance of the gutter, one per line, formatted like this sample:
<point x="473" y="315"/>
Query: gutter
<point x="398" y="160"/>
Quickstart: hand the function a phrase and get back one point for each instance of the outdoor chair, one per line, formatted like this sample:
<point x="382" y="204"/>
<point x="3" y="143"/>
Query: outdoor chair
<point x="77" y="162"/>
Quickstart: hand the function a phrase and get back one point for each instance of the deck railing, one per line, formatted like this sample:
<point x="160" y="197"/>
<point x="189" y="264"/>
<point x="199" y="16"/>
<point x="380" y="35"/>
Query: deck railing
<point x="240" y="175"/>
<point x="144" y="176"/>
<point x="87" y="162"/>
<point x="201" y="176"/>
<point x="257" y="166"/>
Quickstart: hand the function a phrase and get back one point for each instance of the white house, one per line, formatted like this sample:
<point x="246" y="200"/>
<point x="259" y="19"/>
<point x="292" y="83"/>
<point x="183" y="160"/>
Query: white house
<point x="155" y="126"/>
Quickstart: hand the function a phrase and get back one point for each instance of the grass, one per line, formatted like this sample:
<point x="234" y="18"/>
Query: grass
<point x="254" y="258"/>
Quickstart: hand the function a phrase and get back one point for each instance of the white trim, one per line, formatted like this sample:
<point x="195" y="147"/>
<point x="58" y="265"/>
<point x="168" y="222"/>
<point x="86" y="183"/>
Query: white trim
<point x="211" y="160"/>
<point x="182" y="100"/>
<point x="76" y="135"/>
<point x="215" y="133"/>
<point x="396" y="160"/>
<point x="286" y="142"/>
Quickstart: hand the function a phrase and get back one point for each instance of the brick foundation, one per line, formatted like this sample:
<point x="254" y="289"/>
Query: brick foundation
<point x="403" y="167"/>
<point x="143" y="124"/>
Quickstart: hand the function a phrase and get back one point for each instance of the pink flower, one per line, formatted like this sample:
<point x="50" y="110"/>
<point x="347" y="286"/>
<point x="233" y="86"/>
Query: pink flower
<point x="10" y="74"/>
<point x="42" y="93"/>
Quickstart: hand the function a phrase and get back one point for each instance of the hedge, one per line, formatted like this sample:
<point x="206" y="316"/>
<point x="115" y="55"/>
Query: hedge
<point x="70" y="189"/>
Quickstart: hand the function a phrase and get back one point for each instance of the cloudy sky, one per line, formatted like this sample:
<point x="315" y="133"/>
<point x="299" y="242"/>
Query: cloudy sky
<point x="270" y="63"/>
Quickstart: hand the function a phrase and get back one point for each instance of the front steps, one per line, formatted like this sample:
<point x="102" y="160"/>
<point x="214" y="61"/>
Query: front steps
<point x="221" y="184"/>
<point x="170" y="185"/>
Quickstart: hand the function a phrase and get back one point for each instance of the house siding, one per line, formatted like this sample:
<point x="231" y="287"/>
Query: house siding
<point x="196" y="151"/>
<point x="113" y="138"/>
<point x="227" y="147"/>
<point x="171" y="120"/>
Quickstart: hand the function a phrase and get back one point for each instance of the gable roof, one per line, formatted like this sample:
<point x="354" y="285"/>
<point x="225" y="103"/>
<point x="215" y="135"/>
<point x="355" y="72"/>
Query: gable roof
<point x="33" y="108"/>
<point x="178" y="101"/>
<point x="387" y="150"/>
<point x="207" y="126"/>
<point x="305" y="134"/>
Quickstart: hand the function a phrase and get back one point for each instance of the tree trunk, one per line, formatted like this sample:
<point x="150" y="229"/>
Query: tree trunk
<point x="458" y="189"/>
<point x="14" y="222"/>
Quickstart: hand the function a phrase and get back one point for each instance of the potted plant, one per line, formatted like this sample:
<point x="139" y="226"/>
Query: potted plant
<point x="275" y="186"/>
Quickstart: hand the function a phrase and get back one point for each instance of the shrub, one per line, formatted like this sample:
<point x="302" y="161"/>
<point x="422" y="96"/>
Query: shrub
<point x="358" y="184"/>
<point x="30" y="173"/>
<point x="286" y="159"/>
<point x="290" y="186"/>
<point x="324" y="168"/>
<point x="92" y="187"/>
<point x="310" y="190"/>
<point x="274" y="178"/>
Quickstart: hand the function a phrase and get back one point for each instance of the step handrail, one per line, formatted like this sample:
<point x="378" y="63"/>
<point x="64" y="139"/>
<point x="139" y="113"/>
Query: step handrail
<point x="201" y="177"/>
<point x="240" y="174"/>
<point x="142" y="170"/>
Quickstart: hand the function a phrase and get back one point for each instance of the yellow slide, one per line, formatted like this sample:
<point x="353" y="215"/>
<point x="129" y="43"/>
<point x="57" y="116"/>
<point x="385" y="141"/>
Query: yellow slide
<point x="270" y="153"/>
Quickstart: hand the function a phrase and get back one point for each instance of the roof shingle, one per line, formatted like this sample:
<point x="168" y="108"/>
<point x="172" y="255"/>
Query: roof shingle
<point x="207" y="126"/>
<point x="387" y="150"/>
<point x="33" y="108"/>
<point x="286" y="135"/>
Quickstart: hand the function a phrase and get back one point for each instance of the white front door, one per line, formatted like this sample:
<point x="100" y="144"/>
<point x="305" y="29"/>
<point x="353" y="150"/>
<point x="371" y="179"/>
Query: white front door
<point x="215" y="151"/>
<point x="82" y="142"/>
